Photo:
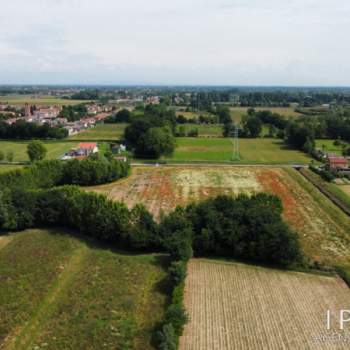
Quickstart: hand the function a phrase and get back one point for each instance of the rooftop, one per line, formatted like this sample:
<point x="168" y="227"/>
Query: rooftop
<point x="87" y="145"/>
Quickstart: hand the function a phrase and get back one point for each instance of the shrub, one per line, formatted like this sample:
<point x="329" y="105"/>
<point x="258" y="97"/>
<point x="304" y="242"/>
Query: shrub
<point x="177" y="271"/>
<point x="166" y="338"/>
<point x="179" y="247"/>
<point x="325" y="174"/>
<point x="193" y="133"/>
<point x="177" y="317"/>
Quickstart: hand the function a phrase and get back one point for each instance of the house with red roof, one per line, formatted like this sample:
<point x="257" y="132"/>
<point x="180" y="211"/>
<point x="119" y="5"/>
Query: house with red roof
<point x="337" y="163"/>
<point x="86" y="148"/>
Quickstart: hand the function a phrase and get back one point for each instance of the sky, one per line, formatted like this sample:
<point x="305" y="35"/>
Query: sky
<point x="178" y="42"/>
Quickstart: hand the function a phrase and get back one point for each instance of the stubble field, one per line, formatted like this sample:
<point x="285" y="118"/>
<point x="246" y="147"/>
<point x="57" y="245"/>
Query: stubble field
<point x="236" y="306"/>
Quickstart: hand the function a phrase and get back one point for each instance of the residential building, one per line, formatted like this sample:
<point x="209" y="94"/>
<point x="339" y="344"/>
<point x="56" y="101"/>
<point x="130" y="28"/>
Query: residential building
<point x="47" y="112"/>
<point x="86" y="148"/>
<point x="337" y="163"/>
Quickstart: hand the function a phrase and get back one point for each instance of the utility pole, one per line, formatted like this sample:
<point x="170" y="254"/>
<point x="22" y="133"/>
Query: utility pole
<point x="235" y="155"/>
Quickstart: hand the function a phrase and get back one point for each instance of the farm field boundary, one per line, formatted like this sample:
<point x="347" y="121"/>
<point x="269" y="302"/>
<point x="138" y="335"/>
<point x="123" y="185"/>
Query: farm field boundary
<point x="318" y="184"/>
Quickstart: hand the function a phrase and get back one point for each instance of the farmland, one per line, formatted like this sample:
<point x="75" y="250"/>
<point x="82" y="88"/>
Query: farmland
<point x="105" y="132"/>
<point x="193" y="115"/>
<point x="252" y="151"/>
<point x="238" y="112"/>
<point x="323" y="227"/>
<point x="19" y="149"/>
<point x="328" y="146"/>
<point x="345" y="189"/>
<point x="60" y="292"/>
<point x="204" y="130"/>
<point x="21" y="100"/>
<point x="236" y="306"/>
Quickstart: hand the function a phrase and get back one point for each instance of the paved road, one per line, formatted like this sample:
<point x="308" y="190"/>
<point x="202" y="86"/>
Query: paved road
<point x="220" y="165"/>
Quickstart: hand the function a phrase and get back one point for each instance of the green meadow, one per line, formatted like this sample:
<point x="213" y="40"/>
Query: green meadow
<point x="328" y="146"/>
<point x="55" y="149"/>
<point x="251" y="151"/>
<point x="58" y="291"/>
<point x="104" y="132"/>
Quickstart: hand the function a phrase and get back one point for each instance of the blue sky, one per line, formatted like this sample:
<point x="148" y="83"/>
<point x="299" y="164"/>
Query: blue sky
<point x="230" y="42"/>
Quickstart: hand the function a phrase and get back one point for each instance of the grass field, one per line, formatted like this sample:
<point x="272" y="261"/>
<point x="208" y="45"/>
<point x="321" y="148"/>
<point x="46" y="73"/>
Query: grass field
<point x="328" y="146"/>
<point x="103" y="132"/>
<point x="236" y="306"/>
<point x="19" y="149"/>
<point x="58" y="292"/>
<point x="238" y="112"/>
<point x="7" y="167"/>
<point x="204" y="130"/>
<point x="21" y="100"/>
<point x="252" y="151"/>
<point x="345" y="189"/>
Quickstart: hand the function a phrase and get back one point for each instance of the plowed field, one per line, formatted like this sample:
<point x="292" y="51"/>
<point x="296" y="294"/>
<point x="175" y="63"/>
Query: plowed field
<point x="235" y="306"/>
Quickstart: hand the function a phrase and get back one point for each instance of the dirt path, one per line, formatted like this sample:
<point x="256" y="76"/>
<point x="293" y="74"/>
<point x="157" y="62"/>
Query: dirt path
<point x="26" y="335"/>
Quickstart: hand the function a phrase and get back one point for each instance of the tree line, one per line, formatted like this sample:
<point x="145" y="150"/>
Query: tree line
<point x="204" y="100"/>
<point x="23" y="130"/>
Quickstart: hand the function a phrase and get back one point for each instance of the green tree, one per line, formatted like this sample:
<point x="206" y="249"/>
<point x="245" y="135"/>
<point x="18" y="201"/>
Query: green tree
<point x="36" y="151"/>
<point x="228" y="129"/>
<point x="182" y="131"/>
<point x="9" y="156"/>
<point x="156" y="142"/>
<point x="309" y="146"/>
<point x="252" y="126"/>
<point x="297" y="134"/>
<point x="224" y="114"/>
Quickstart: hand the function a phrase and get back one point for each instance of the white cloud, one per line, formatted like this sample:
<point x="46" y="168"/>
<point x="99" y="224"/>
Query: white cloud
<point x="302" y="42"/>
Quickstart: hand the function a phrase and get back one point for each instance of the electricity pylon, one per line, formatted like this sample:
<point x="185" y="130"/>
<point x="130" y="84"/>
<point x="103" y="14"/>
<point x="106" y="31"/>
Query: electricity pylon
<point x="235" y="154"/>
